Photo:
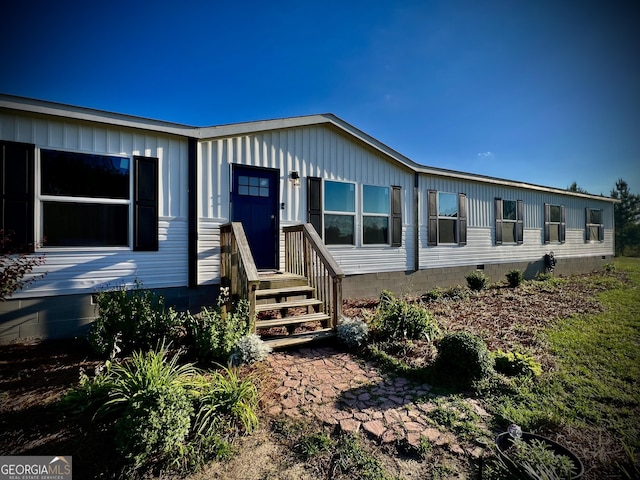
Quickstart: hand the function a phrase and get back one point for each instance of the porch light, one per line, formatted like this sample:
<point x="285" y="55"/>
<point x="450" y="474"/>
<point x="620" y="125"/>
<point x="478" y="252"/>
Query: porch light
<point x="295" y="178"/>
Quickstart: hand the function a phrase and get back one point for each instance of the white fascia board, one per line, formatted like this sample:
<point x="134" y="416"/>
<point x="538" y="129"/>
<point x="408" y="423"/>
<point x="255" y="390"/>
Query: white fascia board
<point x="245" y="128"/>
<point x="471" y="177"/>
<point x="28" y="105"/>
<point x="235" y="129"/>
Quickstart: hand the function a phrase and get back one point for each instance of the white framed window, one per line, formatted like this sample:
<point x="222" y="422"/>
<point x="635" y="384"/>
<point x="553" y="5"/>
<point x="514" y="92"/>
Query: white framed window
<point x="96" y="200"/>
<point x="339" y="213"/>
<point x="554" y="223"/>
<point x="331" y="209"/>
<point x="508" y="222"/>
<point x="594" y="225"/>
<point x="447" y="218"/>
<point x="376" y="207"/>
<point x="85" y="199"/>
<point x="447" y="222"/>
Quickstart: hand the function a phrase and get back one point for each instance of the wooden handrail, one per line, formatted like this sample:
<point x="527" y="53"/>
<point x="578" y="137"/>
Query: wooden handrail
<point x="237" y="268"/>
<point x="306" y="254"/>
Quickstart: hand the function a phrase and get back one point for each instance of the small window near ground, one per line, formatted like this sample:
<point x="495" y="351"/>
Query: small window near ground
<point x="339" y="213"/>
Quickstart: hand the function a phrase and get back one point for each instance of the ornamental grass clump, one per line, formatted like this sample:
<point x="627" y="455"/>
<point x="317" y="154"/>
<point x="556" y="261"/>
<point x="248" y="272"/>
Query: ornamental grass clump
<point x="536" y="460"/>
<point x="165" y="414"/>
<point x="397" y="320"/>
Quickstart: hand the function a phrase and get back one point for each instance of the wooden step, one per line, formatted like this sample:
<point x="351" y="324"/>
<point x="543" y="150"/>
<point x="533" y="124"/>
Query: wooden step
<point x="286" y="292"/>
<point x="281" y="280"/>
<point x="300" y="338"/>
<point x="281" y="322"/>
<point x="305" y="302"/>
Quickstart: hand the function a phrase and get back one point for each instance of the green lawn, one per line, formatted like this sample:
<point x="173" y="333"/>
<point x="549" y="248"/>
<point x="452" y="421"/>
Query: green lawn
<point x="592" y="396"/>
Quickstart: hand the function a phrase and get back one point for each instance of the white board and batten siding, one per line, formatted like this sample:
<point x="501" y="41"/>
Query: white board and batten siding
<point x="312" y="151"/>
<point x="83" y="270"/>
<point x="481" y="248"/>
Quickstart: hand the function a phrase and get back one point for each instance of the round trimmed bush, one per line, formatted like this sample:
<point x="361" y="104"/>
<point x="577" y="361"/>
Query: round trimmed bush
<point x="463" y="358"/>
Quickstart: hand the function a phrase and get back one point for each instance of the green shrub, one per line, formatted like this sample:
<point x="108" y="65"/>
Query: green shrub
<point x="353" y="332"/>
<point x="457" y="292"/>
<point x="155" y="423"/>
<point x="168" y="413"/>
<point x="516" y="363"/>
<point x="214" y="336"/>
<point x="463" y="358"/>
<point x="136" y="319"/>
<point x="398" y="320"/>
<point x="477" y="280"/>
<point x="514" y="277"/>
<point x="543" y="277"/>
<point x="90" y="393"/>
<point x="249" y="349"/>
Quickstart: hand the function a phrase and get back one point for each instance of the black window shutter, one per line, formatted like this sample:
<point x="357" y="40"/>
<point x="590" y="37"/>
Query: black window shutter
<point x="547" y="215"/>
<point x="314" y="203"/>
<point x="145" y="204"/>
<point x="17" y="188"/>
<point x="396" y="216"/>
<point x="563" y="225"/>
<point x="587" y="221"/>
<point x="520" y="222"/>
<point x="432" y="224"/>
<point x="498" y="212"/>
<point x="462" y="219"/>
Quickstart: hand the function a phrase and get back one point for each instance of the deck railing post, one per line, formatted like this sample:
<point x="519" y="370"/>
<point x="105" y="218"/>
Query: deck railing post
<point x="311" y="258"/>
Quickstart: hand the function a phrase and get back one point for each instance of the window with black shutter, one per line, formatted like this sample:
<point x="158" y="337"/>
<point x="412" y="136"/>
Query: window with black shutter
<point x="508" y="221"/>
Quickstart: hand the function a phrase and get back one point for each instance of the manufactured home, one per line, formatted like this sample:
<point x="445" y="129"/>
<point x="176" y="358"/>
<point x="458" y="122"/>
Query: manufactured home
<point x="110" y="199"/>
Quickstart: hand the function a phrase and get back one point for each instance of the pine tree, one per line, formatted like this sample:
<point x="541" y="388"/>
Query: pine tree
<point x="627" y="219"/>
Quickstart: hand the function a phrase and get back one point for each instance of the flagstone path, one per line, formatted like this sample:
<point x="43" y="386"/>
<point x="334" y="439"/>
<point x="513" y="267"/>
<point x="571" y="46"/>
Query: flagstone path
<point x="338" y="390"/>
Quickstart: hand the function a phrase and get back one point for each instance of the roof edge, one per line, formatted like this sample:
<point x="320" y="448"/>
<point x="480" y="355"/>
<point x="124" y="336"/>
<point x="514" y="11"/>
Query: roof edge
<point x="43" y="107"/>
<point x="30" y="105"/>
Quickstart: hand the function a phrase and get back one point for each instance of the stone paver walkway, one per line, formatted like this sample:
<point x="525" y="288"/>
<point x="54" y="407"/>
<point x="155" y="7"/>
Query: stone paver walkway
<point x="337" y="390"/>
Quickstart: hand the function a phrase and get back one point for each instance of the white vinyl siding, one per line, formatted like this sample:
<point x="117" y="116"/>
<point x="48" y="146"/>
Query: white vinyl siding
<point x="480" y="247"/>
<point x="313" y="151"/>
<point x="81" y="270"/>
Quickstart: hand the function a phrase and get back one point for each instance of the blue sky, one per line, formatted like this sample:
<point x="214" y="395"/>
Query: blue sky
<point x="541" y="91"/>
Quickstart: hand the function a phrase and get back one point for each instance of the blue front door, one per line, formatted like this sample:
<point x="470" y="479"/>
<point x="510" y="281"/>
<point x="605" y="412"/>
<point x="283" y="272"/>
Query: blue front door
<point x="254" y="203"/>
